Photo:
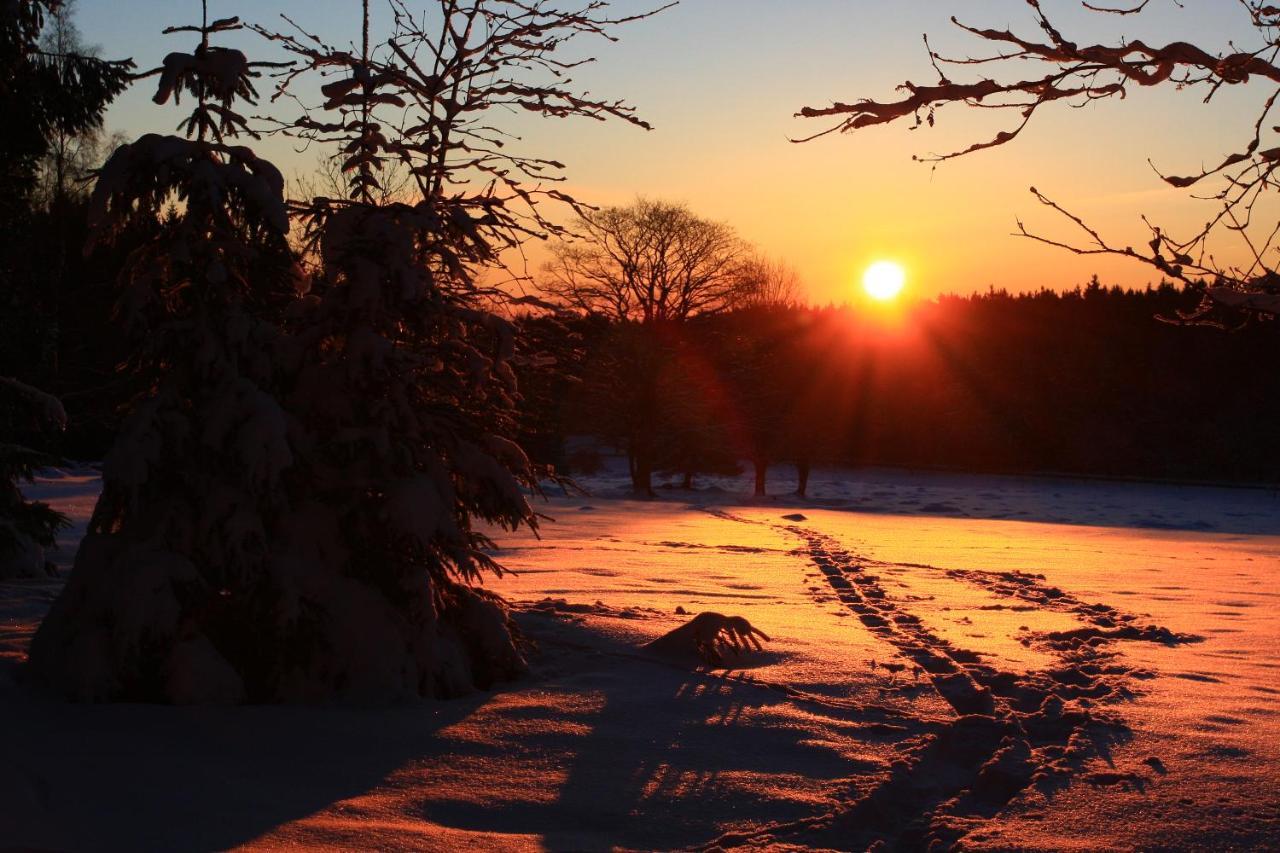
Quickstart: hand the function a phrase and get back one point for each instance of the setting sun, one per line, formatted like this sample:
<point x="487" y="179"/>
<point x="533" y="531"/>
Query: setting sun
<point x="884" y="280"/>
<point x="697" y="449"/>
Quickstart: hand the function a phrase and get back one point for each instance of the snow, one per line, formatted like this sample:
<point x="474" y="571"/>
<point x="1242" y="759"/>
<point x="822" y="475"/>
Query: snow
<point x="47" y="408"/>
<point x="1056" y="500"/>
<point x="1123" y="677"/>
<point x="1266" y="302"/>
<point x="206" y="176"/>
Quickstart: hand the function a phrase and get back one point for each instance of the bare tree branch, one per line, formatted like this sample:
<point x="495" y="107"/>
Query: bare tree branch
<point x="649" y="262"/>
<point x="1078" y="74"/>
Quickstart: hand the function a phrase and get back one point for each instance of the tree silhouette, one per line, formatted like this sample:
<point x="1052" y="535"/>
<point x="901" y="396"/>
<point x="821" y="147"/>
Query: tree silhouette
<point x="768" y="283"/>
<point x="649" y="268"/>
<point x="1064" y="71"/>
<point x="174" y="571"/>
<point x="696" y="428"/>
<point x="405" y="391"/>
<point x="46" y="91"/>
<point x="651" y="262"/>
<point x="50" y="91"/>
<point x="65" y="172"/>
<point x="295" y="513"/>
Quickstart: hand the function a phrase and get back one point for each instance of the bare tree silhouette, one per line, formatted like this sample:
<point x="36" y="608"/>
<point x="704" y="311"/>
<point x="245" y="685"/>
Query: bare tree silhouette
<point x="328" y="180"/>
<point x="649" y="268"/>
<point x="1069" y="72"/>
<point x="650" y="262"/>
<point x="769" y="283"/>
<point x="65" y="170"/>
<point x="48" y="88"/>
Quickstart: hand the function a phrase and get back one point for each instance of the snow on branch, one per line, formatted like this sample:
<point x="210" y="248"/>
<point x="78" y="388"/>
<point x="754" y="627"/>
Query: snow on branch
<point x="214" y="76"/>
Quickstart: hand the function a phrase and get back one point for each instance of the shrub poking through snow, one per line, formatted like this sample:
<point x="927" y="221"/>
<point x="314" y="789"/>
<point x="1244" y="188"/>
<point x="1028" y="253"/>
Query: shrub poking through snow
<point x="293" y="514"/>
<point x="710" y="636"/>
<point x="27" y="528"/>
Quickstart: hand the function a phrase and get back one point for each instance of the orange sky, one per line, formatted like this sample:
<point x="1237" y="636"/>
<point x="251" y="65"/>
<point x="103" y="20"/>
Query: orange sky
<point x="721" y="79"/>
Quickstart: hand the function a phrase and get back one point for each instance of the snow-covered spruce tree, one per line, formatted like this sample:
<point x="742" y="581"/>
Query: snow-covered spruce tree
<point x="172" y="588"/>
<point x="27" y="528"/>
<point x="400" y="382"/>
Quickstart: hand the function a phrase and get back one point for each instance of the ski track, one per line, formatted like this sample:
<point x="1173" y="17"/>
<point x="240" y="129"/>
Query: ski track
<point x="1012" y="731"/>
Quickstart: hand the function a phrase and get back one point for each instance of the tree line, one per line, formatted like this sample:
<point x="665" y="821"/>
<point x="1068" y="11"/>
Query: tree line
<point x="1093" y="381"/>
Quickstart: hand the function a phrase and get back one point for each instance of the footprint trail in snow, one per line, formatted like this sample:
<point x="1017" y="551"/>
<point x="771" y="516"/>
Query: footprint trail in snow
<point x="1012" y="731"/>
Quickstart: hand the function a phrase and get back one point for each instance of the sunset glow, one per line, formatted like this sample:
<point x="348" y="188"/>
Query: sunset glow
<point x="958" y="212"/>
<point x="884" y="280"/>
<point x="640" y="424"/>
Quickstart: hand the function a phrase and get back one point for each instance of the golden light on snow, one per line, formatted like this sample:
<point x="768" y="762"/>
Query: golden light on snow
<point x="884" y="280"/>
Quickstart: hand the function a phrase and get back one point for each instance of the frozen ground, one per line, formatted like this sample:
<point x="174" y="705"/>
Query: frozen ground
<point x="1102" y="503"/>
<point x="1104" y="675"/>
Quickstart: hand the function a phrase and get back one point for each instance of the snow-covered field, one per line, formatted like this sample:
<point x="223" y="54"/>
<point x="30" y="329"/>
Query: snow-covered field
<point x="1002" y="663"/>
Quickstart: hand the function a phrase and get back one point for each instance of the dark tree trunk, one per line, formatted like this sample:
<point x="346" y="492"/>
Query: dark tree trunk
<point x="644" y="429"/>
<point x="642" y="475"/>
<point x="802" y="478"/>
<point x="688" y="481"/>
<point x="762" y="470"/>
<point x="642" y="463"/>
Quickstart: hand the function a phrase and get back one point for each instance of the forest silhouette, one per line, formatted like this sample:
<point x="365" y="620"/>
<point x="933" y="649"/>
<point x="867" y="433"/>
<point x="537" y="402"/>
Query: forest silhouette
<point x="1090" y="381"/>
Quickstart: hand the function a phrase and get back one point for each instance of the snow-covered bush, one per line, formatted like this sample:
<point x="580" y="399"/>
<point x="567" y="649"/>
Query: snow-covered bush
<point x="27" y="528"/>
<point x="293" y="513"/>
<point x="401" y="382"/>
<point x="401" y="396"/>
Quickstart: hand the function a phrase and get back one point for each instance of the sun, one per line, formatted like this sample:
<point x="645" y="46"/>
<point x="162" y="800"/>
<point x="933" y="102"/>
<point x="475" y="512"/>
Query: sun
<point x="884" y="280"/>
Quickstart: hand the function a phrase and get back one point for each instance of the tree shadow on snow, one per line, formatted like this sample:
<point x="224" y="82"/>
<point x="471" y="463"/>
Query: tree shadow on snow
<point x="143" y="777"/>
<point x="654" y="756"/>
<point x="668" y="757"/>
